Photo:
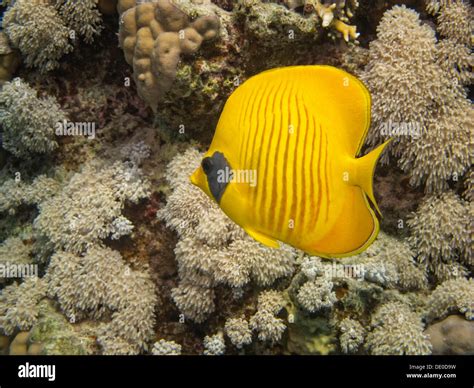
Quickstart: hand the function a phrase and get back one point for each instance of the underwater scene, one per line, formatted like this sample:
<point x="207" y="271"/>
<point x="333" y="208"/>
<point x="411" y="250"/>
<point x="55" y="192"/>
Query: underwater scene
<point x="216" y="177"/>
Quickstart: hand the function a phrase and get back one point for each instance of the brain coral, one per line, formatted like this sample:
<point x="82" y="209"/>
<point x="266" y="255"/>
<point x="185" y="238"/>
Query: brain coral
<point x="28" y="121"/>
<point x="212" y="249"/>
<point x="421" y="107"/>
<point x="153" y="36"/>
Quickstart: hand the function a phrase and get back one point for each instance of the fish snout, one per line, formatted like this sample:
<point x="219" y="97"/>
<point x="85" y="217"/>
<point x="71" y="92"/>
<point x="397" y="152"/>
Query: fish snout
<point x="197" y="178"/>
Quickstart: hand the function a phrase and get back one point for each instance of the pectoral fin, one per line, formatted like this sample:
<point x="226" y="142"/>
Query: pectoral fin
<point x="261" y="238"/>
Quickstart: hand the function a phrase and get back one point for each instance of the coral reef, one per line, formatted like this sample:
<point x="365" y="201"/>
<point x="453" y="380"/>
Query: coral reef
<point x="212" y="249"/>
<point x="28" y="122"/>
<point x="128" y="257"/>
<point x="421" y="108"/>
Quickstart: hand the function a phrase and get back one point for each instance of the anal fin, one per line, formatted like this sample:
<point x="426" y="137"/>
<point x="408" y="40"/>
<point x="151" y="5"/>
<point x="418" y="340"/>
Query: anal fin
<point x="261" y="238"/>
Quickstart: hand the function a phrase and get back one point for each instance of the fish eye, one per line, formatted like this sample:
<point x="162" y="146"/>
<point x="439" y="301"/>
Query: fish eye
<point x="207" y="165"/>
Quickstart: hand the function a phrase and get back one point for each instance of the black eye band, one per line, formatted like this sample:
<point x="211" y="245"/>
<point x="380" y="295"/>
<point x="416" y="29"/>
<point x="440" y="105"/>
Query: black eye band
<point x="207" y="165"/>
<point x="213" y="167"/>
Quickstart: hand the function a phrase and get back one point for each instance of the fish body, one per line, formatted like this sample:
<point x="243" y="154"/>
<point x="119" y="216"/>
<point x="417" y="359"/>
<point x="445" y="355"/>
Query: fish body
<point x="290" y="138"/>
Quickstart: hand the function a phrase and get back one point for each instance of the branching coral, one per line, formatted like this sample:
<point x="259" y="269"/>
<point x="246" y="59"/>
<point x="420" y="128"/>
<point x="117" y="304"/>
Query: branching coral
<point x="454" y="19"/>
<point x="441" y="235"/>
<point x="316" y="294"/>
<point x="264" y="321"/>
<point x="19" y="304"/>
<point x="352" y="335"/>
<point x="238" y="331"/>
<point x="397" y="330"/>
<point x="81" y="16"/>
<point x="214" y="345"/>
<point x="14" y="251"/>
<point x="14" y="193"/>
<point x="28" y="121"/>
<point x="37" y="30"/>
<point x="153" y="36"/>
<point x="89" y="207"/>
<point x="100" y="285"/>
<point x="455" y="295"/>
<point x="212" y="249"/>
<point x="166" y="348"/>
<point x="416" y="102"/>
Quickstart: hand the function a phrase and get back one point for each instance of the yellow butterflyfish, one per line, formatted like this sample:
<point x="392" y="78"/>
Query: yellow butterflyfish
<point x="284" y="165"/>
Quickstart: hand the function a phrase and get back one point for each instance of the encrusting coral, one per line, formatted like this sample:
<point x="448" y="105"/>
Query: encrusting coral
<point x="452" y="335"/>
<point x="421" y="108"/>
<point x="397" y="330"/>
<point x="100" y="285"/>
<point x="28" y="121"/>
<point x="153" y="36"/>
<point x="441" y="235"/>
<point x="212" y="249"/>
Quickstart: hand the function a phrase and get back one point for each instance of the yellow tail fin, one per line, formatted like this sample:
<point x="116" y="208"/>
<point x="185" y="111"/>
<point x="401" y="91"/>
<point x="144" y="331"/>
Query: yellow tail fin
<point x="364" y="172"/>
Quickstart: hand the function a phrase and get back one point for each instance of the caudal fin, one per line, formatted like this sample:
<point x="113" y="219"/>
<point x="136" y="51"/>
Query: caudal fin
<point x="364" y="172"/>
